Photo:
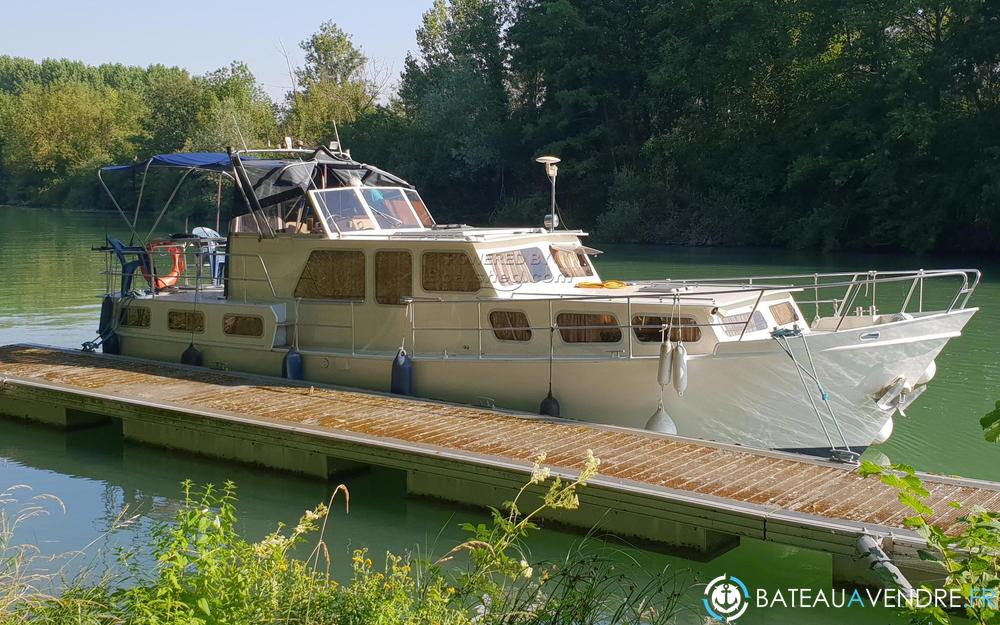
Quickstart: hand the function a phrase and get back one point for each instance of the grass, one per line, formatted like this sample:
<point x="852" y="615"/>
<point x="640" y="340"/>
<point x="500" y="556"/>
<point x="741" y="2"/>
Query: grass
<point x="205" y="573"/>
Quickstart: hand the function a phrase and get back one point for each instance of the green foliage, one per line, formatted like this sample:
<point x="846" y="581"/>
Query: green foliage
<point x="991" y="424"/>
<point x="969" y="557"/>
<point x="333" y="87"/>
<point x="207" y="574"/>
<point x="54" y="132"/>
<point x="802" y="124"/>
<point x="809" y="124"/>
<point x="61" y="120"/>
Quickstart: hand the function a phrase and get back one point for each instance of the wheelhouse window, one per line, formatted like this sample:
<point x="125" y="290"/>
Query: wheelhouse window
<point x="343" y="210"/>
<point x="733" y="324"/>
<point x="572" y="263"/>
<point x="333" y="274"/>
<point x="519" y="266"/>
<point x="419" y="208"/>
<point x="186" y="320"/>
<point x="784" y="313"/>
<point x="243" y="325"/>
<point x="135" y="317"/>
<point x="360" y="208"/>
<point x="650" y="329"/>
<point x="393" y="277"/>
<point x="449" y="272"/>
<point x="588" y="328"/>
<point x="390" y="208"/>
<point x="510" y="325"/>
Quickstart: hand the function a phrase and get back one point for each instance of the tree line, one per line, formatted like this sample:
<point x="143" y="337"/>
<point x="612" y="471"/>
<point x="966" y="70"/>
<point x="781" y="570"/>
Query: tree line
<point x="699" y="122"/>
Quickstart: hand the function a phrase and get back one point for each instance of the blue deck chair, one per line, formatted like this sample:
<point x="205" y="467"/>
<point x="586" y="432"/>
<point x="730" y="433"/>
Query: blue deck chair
<point x="129" y="266"/>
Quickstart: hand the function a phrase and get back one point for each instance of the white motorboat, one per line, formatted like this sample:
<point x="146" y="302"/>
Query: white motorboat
<point x="338" y="273"/>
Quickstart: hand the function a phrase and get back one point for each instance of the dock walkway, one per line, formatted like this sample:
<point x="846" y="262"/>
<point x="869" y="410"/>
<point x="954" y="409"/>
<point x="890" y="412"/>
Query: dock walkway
<point x="690" y="494"/>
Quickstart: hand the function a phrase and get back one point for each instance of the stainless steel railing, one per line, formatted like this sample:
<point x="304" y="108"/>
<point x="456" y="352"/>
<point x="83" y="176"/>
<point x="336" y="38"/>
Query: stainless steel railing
<point x="193" y="278"/>
<point x="674" y="294"/>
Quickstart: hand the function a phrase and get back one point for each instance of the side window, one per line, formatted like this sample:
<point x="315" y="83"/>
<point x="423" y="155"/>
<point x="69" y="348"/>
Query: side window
<point x="519" y="266"/>
<point x="186" y="321"/>
<point x="135" y="317"/>
<point x="333" y="274"/>
<point x="784" y="313"/>
<point x="572" y="264"/>
<point x="733" y="324"/>
<point x="393" y="277"/>
<point x="588" y="328"/>
<point x="649" y="329"/>
<point x="448" y="271"/>
<point x="243" y="325"/>
<point x="510" y="325"/>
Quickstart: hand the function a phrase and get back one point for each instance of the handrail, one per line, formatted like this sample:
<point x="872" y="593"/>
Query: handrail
<point x="890" y="277"/>
<point x="679" y="293"/>
<point x="867" y="281"/>
<point x="198" y="277"/>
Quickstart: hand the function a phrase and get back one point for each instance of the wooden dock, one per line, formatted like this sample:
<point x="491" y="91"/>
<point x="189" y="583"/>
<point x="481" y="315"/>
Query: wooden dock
<point x="698" y="496"/>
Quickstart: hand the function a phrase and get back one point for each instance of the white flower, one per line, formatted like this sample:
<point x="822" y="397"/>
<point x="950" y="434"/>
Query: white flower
<point x="525" y="569"/>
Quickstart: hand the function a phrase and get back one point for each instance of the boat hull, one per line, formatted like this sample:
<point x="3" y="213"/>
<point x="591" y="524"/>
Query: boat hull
<point x="746" y="392"/>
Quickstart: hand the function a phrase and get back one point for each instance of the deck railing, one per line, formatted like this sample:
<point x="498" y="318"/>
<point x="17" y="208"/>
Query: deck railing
<point x="844" y="292"/>
<point x="703" y="292"/>
<point x="196" y="276"/>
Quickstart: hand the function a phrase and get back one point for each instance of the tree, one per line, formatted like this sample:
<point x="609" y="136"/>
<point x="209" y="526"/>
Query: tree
<point x="237" y="112"/>
<point x="334" y="86"/>
<point x="54" y="133"/>
<point x="453" y="94"/>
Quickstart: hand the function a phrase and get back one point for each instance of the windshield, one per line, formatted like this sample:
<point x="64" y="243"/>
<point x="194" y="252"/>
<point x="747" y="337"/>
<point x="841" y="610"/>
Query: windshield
<point x="390" y="208"/>
<point x="343" y="210"/>
<point x="353" y="209"/>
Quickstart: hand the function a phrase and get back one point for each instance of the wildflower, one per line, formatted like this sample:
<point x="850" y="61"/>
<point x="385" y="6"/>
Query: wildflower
<point x="526" y="570"/>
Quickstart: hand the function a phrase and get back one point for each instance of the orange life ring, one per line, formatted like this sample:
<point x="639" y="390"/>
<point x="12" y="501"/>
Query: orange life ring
<point x="170" y="279"/>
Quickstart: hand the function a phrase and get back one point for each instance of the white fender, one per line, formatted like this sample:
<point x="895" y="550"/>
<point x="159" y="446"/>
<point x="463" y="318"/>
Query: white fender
<point x="679" y="367"/>
<point x="928" y="374"/>
<point x="663" y="370"/>
<point x="884" y="434"/>
<point x="661" y="422"/>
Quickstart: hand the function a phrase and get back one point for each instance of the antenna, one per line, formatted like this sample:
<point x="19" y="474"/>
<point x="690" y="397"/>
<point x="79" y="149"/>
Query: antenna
<point x="551" y="170"/>
<point x="336" y="134"/>
<point x="238" y="131"/>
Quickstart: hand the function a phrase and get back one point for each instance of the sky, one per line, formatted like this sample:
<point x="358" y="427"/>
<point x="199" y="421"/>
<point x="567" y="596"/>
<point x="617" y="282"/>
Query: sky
<point x="203" y="36"/>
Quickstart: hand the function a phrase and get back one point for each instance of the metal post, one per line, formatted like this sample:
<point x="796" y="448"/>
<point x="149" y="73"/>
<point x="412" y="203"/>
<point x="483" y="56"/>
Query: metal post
<point x="750" y="316"/>
<point x="552" y="213"/>
<point x="631" y="329"/>
<point x="479" y="327"/>
<point x="218" y="204"/>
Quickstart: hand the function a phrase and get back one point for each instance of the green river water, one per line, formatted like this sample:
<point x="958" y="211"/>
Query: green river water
<point x="48" y="294"/>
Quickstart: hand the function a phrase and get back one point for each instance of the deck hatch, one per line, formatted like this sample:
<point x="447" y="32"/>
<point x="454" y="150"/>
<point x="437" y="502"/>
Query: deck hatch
<point x="733" y="324"/>
<point x="572" y="264"/>
<point x="784" y="313"/>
